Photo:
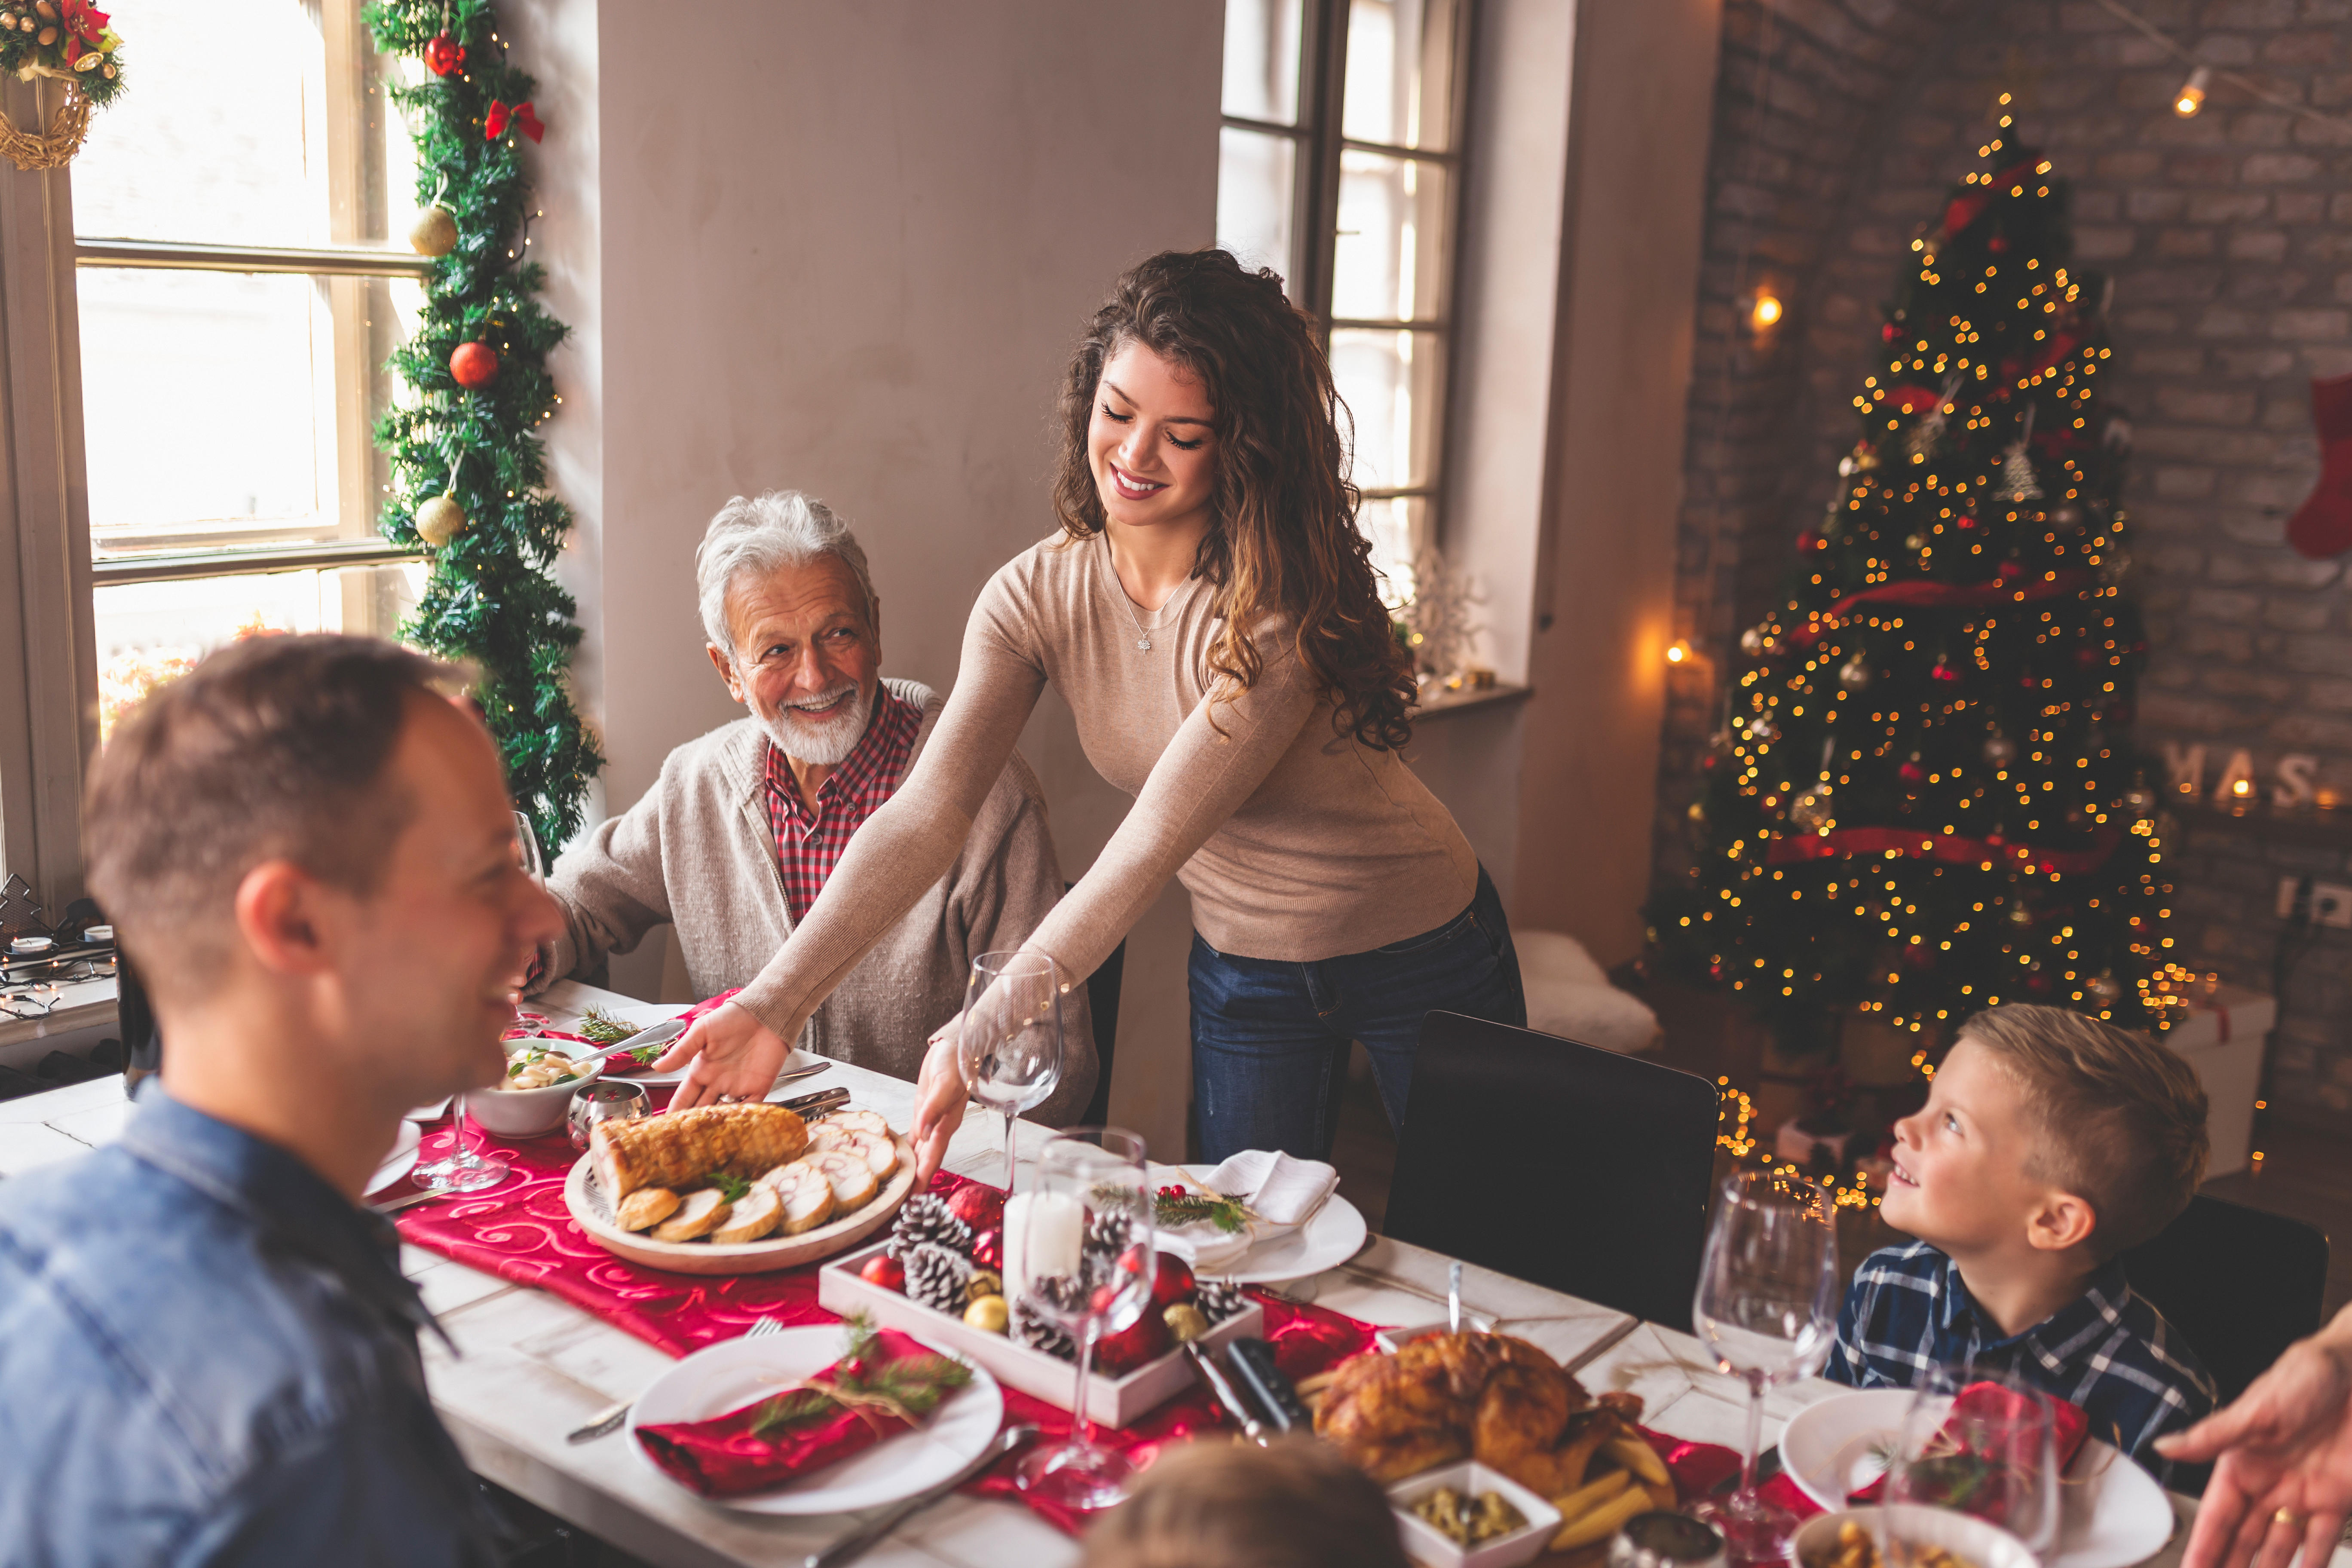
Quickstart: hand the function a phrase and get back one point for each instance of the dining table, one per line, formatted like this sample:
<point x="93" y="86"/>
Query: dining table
<point x="523" y="1368"/>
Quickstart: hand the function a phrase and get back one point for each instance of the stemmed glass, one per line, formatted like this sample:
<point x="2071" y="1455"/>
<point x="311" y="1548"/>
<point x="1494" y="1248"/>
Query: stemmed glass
<point x="465" y="1171"/>
<point x="1984" y="1443"/>
<point x="1766" y="1306"/>
<point x="1078" y="1252"/>
<point x="1009" y="1047"/>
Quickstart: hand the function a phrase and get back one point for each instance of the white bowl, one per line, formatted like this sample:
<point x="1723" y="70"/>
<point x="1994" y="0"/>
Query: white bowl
<point x="1424" y="1542"/>
<point x="1972" y="1540"/>
<point x="532" y="1112"/>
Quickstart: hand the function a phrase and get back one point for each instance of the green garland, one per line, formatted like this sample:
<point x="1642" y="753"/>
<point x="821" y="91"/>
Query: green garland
<point x="489" y="598"/>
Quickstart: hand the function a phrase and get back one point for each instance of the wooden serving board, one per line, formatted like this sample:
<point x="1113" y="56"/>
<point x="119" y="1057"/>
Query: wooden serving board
<point x="589" y="1204"/>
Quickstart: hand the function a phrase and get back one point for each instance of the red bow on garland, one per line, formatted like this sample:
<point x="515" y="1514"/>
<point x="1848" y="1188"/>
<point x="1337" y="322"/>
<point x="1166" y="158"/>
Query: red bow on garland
<point x="1965" y="208"/>
<point x="494" y="125"/>
<point x="84" y="23"/>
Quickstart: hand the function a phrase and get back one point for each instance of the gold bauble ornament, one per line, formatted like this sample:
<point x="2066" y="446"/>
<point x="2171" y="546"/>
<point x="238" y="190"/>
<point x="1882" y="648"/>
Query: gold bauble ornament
<point x="990" y="1315"/>
<point x="440" y="520"/>
<point x="435" y="233"/>
<point x="1186" y="1323"/>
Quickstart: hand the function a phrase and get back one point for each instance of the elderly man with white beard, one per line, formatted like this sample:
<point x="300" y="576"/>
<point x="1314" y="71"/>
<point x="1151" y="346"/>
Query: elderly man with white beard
<point x="735" y="841"/>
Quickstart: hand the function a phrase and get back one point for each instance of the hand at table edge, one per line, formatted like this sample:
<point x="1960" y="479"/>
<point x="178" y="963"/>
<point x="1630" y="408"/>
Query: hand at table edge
<point x="726" y="1051"/>
<point x="940" y="1099"/>
<point x="2285" y="1444"/>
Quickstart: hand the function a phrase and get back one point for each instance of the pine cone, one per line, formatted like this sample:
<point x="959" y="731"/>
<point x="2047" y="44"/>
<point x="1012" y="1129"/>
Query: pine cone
<point x="1108" y="1234"/>
<point x="936" y="1276"/>
<point x="1219" y="1299"/>
<point x="1039" y="1332"/>
<point x="927" y="1218"/>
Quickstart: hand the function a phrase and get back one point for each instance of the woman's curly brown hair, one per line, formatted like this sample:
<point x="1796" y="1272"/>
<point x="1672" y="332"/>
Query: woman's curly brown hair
<point x="1283" y="540"/>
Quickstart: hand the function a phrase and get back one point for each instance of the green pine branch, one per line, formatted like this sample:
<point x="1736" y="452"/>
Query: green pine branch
<point x="489" y="598"/>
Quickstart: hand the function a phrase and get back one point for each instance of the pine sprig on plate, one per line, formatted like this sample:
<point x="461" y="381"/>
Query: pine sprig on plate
<point x="1173" y="1206"/>
<point x="607" y="1030"/>
<point x="915" y="1385"/>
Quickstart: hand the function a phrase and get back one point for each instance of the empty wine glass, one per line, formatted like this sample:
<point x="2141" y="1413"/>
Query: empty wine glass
<point x="1078" y="1252"/>
<point x="465" y="1171"/>
<point x="1009" y="1047"/>
<point x="1767" y="1307"/>
<point x="1983" y="1442"/>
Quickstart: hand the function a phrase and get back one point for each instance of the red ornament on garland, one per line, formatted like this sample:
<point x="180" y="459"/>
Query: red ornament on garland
<point x="475" y="365"/>
<point x="443" y="54"/>
<point x="885" y="1271"/>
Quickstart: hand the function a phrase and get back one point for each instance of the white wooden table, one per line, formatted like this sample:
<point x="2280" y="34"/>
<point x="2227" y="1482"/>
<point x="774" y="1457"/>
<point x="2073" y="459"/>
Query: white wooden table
<point x="531" y="1367"/>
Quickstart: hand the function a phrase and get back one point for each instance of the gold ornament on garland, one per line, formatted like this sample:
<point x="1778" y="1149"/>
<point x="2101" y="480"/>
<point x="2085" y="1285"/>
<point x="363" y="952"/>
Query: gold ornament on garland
<point x="435" y="233"/>
<point x="69" y="43"/>
<point x="440" y="520"/>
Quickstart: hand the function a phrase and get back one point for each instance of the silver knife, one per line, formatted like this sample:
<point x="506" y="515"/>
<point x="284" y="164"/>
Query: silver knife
<point x="1227" y="1395"/>
<point x="856" y="1544"/>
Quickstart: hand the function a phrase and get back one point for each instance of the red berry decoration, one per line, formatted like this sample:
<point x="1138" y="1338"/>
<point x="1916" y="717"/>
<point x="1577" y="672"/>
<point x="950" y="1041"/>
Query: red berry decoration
<point x="1146" y="1341"/>
<point x="884" y="1270"/>
<point x="475" y="365"/>
<point x="988" y="1249"/>
<point x="1172" y="1283"/>
<point x="981" y="1207"/>
<point x="443" y="54"/>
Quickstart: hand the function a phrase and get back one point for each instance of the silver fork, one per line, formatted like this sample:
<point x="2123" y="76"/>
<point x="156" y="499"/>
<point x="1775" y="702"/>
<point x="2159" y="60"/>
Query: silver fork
<point x="610" y="1418"/>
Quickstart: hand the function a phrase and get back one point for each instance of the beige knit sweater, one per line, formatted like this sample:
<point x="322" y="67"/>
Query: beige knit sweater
<point x="1295" y="843"/>
<point x="697" y="851"/>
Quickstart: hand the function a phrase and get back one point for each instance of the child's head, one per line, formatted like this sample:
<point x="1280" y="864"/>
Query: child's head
<point x="1297" y="1504"/>
<point x="2051" y="1128"/>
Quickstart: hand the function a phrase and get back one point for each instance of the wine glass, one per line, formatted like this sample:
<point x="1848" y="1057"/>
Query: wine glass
<point x="1078" y="1250"/>
<point x="1767" y="1307"/>
<point x="1010" y="1043"/>
<point x="1983" y="1442"/>
<point x="465" y="1171"/>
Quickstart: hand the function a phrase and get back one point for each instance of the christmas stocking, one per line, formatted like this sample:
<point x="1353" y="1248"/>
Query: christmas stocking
<point x="2322" y="526"/>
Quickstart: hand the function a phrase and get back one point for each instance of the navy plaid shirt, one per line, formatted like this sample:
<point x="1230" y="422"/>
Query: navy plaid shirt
<point x="2107" y="1351"/>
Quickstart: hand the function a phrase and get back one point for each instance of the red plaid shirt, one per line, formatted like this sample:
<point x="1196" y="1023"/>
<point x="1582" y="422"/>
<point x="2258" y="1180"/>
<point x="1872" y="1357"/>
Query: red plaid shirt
<point x="808" y="844"/>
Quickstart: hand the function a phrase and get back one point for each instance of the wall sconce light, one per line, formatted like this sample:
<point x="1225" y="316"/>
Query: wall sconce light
<point x="1678" y="652"/>
<point x="1765" y="312"/>
<point x="2191" y="95"/>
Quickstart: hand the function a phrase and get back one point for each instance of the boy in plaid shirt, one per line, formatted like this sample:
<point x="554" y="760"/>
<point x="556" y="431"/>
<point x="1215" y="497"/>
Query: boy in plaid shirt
<point x="2050" y="1143"/>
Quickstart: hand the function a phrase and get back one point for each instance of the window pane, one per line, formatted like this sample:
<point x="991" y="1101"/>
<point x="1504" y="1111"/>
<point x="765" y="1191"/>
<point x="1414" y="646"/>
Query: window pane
<point x="1255" y="175"/>
<point x="1400" y="72"/>
<point x="1389" y="264"/>
<point x="229" y="144"/>
<point x="1393" y="384"/>
<point x="148" y="632"/>
<point x="1396" y="526"/>
<point x="214" y="414"/>
<point x="1262" y="45"/>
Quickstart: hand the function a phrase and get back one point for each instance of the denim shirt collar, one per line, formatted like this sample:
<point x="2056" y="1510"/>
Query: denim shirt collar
<point x="282" y="1197"/>
<point x="2055" y="1338"/>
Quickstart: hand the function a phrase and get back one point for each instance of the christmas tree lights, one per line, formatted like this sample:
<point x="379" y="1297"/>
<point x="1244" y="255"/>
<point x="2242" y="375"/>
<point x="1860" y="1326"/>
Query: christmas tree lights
<point x="1923" y="799"/>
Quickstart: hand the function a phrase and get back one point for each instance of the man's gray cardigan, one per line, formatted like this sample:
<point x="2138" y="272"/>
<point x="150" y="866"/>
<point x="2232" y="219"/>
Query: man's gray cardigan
<point x="697" y="851"/>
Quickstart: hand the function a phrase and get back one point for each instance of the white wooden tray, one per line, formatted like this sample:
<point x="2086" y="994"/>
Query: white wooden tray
<point x="1113" y="1401"/>
<point x="586" y="1198"/>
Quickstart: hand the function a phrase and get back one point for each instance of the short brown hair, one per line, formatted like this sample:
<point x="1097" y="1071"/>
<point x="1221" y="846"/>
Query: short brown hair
<point x="1297" y="1504"/>
<point x="2122" y="1120"/>
<point x="272" y="748"/>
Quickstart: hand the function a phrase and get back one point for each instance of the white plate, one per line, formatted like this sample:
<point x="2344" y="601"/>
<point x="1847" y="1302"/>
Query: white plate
<point x="728" y="1376"/>
<point x="433" y="1113"/>
<point x="2114" y="1512"/>
<point x="648" y="1014"/>
<point x="401" y="1160"/>
<point x="1331" y="1236"/>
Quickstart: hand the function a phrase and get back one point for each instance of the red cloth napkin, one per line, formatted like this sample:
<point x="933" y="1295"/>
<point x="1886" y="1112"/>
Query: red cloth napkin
<point x="726" y="1456"/>
<point x="1982" y="1459"/>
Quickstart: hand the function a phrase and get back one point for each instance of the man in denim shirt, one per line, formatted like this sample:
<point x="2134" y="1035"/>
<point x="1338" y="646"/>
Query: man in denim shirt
<point x="207" y="1352"/>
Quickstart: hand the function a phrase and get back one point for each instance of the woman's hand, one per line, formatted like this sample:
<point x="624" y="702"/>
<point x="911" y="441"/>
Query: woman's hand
<point x="2284" y="1447"/>
<point x="938" y="1099"/>
<point x="727" y="1052"/>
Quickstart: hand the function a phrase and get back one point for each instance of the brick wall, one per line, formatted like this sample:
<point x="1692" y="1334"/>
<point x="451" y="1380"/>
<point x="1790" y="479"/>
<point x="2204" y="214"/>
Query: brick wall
<point x="2228" y="237"/>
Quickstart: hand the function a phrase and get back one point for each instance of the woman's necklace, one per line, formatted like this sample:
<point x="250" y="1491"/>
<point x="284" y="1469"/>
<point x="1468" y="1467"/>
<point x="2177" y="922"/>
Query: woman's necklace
<point x="1142" y="635"/>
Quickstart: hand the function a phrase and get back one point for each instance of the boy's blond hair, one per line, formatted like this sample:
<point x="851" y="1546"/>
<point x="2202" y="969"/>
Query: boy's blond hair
<point x="2122" y="1120"/>
<point x="1211" y="1504"/>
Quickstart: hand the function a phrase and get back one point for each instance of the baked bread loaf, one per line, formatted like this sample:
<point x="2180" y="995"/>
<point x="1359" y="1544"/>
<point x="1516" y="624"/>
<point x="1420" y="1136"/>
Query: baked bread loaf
<point x="678" y="1148"/>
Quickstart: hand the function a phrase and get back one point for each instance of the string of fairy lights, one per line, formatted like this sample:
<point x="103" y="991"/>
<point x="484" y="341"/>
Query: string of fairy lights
<point x="2190" y="101"/>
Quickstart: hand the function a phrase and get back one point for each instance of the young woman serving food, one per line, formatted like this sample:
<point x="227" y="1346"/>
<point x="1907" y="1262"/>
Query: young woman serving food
<point x="1210" y="613"/>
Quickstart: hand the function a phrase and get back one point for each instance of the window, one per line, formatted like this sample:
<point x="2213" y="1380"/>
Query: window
<point x="1340" y="166"/>
<point x="236" y="219"/>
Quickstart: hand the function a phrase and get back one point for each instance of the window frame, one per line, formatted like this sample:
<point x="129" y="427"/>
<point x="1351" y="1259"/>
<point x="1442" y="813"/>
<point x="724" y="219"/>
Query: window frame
<point x="1319" y="142"/>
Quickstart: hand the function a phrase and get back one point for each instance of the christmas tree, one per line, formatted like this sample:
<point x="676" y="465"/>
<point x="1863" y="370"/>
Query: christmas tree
<point x="1923" y="799"/>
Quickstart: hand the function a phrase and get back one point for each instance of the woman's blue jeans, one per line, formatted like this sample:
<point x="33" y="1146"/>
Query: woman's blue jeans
<point x="1270" y="1039"/>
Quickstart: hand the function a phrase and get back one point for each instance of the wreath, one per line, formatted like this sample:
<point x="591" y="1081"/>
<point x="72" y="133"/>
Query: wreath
<point x="65" y="41"/>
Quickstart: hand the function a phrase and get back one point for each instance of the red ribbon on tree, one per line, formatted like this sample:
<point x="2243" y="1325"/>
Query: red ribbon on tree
<point x="1949" y="848"/>
<point x="1914" y="594"/>
<point x="1965" y="209"/>
<point x="493" y="124"/>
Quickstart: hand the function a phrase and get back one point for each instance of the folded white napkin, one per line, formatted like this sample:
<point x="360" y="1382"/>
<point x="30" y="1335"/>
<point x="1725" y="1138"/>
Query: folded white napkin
<point x="1278" y="1189"/>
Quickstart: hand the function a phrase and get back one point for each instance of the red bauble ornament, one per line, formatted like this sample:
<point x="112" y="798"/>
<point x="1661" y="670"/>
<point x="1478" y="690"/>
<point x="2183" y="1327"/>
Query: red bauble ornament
<point x="443" y="54"/>
<point x="1172" y="1283"/>
<point x="983" y="1208"/>
<point x="988" y="1249"/>
<point x="884" y="1270"/>
<point x="1943" y="671"/>
<point x="1966" y="523"/>
<point x="1998" y="245"/>
<point x="1886" y="334"/>
<point x="475" y="365"/>
<point x="1912" y="772"/>
<point x="1130" y="1348"/>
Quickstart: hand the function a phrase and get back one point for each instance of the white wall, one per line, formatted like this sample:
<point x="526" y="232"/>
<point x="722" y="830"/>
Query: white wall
<point x="848" y="253"/>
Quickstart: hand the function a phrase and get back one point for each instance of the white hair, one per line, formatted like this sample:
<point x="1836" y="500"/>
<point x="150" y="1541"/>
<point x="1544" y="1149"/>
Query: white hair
<point x="763" y="534"/>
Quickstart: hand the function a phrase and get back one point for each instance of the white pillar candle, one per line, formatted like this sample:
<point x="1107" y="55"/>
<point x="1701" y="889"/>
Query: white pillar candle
<point x="1043" y="1234"/>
